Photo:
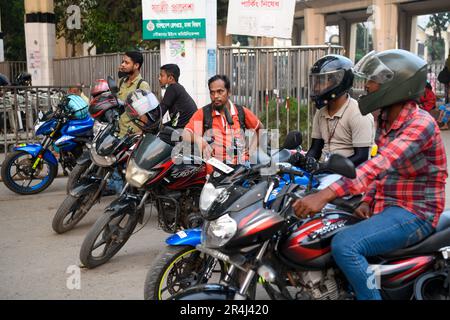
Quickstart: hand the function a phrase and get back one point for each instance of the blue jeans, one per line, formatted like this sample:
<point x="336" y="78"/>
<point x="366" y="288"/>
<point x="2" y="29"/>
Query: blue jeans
<point x="446" y="110"/>
<point x="392" y="229"/>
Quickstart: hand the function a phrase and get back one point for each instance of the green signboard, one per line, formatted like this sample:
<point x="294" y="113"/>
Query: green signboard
<point x="174" y="29"/>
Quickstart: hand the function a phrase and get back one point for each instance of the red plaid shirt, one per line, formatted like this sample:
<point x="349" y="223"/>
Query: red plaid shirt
<point x="409" y="170"/>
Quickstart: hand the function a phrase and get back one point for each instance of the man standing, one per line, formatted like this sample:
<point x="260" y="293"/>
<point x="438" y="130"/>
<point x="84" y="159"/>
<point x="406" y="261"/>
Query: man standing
<point x="131" y="65"/>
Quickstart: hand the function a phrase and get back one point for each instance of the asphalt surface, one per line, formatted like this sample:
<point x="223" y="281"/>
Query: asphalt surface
<point x="34" y="260"/>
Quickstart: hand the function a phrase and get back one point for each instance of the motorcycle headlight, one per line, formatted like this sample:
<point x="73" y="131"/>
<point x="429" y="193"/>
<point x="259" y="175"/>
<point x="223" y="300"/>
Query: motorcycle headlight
<point x="220" y="231"/>
<point x="208" y="196"/>
<point x="102" y="161"/>
<point x="136" y="176"/>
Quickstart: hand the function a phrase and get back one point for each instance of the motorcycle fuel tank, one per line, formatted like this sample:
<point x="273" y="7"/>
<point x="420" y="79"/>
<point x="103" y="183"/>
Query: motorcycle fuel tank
<point x="308" y="245"/>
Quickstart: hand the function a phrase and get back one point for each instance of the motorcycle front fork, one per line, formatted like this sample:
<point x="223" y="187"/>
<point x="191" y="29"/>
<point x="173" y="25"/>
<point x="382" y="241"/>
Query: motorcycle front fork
<point x="242" y="294"/>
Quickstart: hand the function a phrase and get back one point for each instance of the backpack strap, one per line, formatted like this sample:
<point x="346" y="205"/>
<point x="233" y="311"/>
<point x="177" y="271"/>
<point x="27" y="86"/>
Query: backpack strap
<point x="139" y="83"/>
<point x="207" y="118"/>
<point x="241" y="116"/>
<point x="122" y="80"/>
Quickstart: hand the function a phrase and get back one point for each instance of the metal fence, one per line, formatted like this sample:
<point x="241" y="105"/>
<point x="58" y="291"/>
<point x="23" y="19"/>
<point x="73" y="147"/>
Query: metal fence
<point x="12" y="69"/>
<point x="273" y="82"/>
<point x="19" y="109"/>
<point x="87" y="69"/>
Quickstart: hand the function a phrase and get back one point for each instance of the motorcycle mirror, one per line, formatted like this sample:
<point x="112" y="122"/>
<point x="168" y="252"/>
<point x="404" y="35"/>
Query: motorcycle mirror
<point x="293" y="140"/>
<point x="112" y="85"/>
<point x="340" y="165"/>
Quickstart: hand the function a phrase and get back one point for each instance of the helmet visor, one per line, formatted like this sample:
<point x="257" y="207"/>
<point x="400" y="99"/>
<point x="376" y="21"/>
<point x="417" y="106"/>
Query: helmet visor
<point x="141" y="105"/>
<point x="370" y="67"/>
<point x="321" y="83"/>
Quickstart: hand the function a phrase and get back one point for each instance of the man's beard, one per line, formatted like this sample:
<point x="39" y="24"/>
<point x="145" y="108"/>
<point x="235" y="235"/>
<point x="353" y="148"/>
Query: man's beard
<point x="122" y="74"/>
<point x="218" y="108"/>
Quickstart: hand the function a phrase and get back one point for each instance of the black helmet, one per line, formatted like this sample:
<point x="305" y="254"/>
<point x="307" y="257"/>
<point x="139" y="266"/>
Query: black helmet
<point x="23" y="79"/>
<point x="400" y="74"/>
<point x="330" y="77"/>
<point x="4" y="81"/>
<point x="102" y="103"/>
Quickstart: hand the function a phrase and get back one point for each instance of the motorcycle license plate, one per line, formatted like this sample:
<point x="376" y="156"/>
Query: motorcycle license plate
<point x="220" y="165"/>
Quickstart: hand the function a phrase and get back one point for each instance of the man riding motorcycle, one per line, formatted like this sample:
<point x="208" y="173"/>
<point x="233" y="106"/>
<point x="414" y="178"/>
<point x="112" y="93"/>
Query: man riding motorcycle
<point x="404" y="183"/>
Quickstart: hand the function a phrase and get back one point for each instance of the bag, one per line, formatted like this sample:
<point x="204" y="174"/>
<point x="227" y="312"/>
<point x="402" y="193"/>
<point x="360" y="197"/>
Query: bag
<point x="444" y="76"/>
<point x="77" y="107"/>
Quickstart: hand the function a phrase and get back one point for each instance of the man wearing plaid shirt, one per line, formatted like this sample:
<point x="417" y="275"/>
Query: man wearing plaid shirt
<point x="404" y="183"/>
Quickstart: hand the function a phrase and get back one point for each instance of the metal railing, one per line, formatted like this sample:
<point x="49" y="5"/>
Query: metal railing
<point x="87" y="69"/>
<point x="19" y="109"/>
<point x="273" y="82"/>
<point x="12" y="69"/>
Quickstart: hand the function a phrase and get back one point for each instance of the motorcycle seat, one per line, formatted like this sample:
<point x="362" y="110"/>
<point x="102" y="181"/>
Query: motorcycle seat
<point x="430" y="245"/>
<point x="349" y="204"/>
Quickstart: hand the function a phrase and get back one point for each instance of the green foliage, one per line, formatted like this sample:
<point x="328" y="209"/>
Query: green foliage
<point x="283" y="114"/>
<point x="438" y="23"/>
<point x="111" y="26"/>
<point x="12" y="19"/>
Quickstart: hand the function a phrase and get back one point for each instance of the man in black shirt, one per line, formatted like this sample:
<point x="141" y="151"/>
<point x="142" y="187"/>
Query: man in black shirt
<point x="176" y="100"/>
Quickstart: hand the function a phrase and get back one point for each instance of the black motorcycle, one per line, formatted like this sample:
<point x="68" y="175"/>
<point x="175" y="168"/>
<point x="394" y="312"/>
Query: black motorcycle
<point x="292" y="257"/>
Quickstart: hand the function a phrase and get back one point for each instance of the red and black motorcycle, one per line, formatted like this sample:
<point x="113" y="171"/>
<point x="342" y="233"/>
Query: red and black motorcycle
<point x="292" y="257"/>
<point x="152" y="177"/>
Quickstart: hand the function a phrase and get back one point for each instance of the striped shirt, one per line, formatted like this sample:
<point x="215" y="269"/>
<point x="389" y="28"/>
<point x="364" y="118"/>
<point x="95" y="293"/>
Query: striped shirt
<point x="410" y="169"/>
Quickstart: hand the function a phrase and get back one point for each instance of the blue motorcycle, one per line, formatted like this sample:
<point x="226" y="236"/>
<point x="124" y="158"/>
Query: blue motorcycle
<point x="31" y="168"/>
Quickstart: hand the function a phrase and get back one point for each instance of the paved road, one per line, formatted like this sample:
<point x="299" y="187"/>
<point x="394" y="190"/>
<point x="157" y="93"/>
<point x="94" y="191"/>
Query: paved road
<point x="34" y="260"/>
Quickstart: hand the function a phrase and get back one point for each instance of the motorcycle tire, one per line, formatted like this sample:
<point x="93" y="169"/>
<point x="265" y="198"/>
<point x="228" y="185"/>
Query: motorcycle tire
<point x="10" y="183"/>
<point x="75" y="175"/>
<point x="186" y="259"/>
<point x="112" y="235"/>
<point x="73" y="207"/>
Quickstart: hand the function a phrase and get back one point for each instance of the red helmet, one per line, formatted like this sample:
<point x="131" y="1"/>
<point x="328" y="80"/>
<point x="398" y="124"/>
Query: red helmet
<point x="102" y="103"/>
<point x="100" y="86"/>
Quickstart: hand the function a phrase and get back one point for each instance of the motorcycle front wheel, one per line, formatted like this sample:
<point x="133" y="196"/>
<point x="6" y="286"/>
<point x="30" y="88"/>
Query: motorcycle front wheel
<point x="70" y="212"/>
<point x="77" y="172"/>
<point x="107" y="236"/>
<point x="20" y="177"/>
<point x="177" y="268"/>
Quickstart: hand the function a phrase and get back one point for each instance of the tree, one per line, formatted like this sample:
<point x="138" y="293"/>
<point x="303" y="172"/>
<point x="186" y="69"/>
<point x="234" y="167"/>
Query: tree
<point x="438" y="23"/>
<point x="13" y="30"/>
<point x="111" y="26"/>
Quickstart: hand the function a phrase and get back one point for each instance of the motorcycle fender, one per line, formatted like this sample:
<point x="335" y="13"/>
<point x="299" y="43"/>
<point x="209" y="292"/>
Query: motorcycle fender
<point x="206" y="292"/>
<point x="34" y="149"/>
<point x="84" y="159"/>
<point x="122" y="203"/>
<point x="85" y="188"/>
<point x="188" y="237"/>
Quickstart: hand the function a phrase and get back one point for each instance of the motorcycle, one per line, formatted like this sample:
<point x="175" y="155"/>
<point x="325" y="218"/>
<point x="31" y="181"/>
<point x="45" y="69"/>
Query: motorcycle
<point x="180" y="265"/>
<point x="107" y="153"/>
<point x="66" y="131"/>
<point x="152" y="177"/>
<point x="292" y="257"/>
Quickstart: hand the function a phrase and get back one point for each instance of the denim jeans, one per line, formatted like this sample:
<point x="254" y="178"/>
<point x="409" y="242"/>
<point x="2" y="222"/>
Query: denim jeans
<point x="392" y="229"/>
<point x="115" y="182"/>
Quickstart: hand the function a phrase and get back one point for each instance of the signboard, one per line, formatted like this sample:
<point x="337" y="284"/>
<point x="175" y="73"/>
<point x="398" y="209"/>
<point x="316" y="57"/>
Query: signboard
<point x="261" y="18"/>
<point x="173" y="19"/>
